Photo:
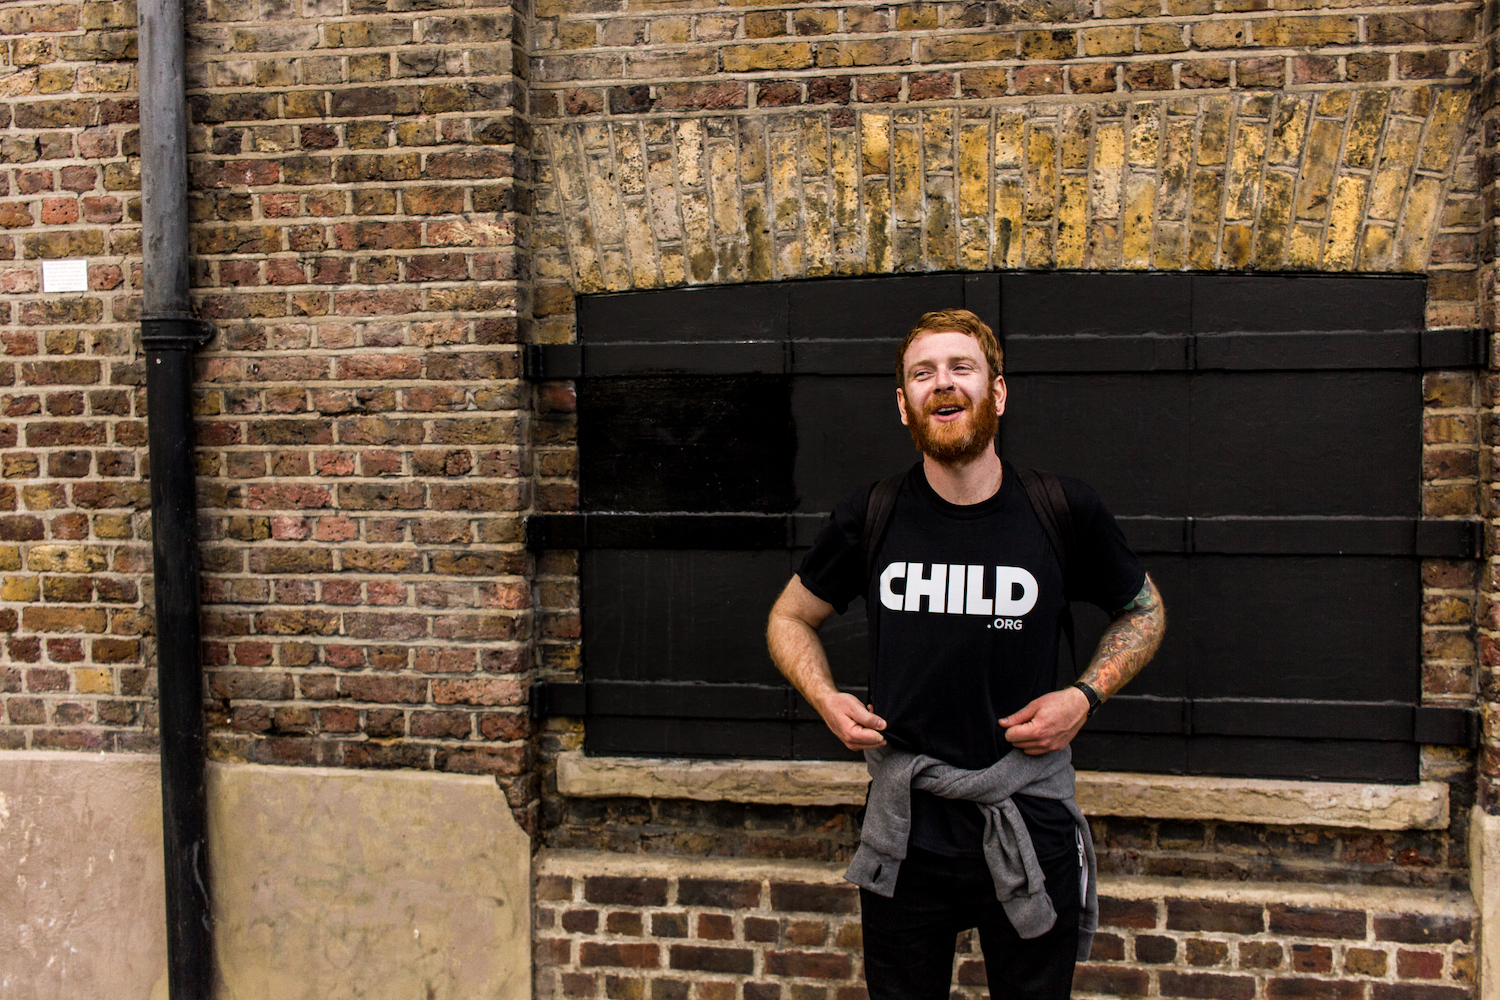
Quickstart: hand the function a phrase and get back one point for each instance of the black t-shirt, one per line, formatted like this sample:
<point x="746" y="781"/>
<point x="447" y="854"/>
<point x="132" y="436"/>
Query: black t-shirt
<point x="949" y="656"/>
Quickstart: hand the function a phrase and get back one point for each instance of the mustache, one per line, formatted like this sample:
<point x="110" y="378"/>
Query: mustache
<point x="946" y="398"/>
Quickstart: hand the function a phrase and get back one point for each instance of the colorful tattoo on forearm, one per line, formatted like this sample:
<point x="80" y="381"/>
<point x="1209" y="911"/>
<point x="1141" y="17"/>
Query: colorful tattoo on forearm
<point x="1129" y="642"/>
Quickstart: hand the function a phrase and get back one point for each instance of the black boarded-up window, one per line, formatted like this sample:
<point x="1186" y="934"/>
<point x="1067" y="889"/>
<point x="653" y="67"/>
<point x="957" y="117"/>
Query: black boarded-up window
<point x="1258" y="437"/>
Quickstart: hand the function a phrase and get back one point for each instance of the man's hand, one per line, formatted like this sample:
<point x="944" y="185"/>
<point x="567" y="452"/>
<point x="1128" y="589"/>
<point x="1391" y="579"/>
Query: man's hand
<point x="854" y="724"/>
<point x="1049" y="723"/>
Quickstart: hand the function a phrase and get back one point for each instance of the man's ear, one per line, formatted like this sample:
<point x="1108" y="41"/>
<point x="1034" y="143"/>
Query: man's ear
<point x="901" y="405"/>
<point x="999" y="394"/>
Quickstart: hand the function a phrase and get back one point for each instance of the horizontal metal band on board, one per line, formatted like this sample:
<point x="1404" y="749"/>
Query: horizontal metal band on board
<point x="1321" y="350"/>
<point x="1395" y="722"/>
<point x="1455" y="538"/>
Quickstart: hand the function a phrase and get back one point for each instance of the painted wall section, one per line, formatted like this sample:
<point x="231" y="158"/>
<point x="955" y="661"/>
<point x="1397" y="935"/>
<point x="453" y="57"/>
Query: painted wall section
<point x="328" y="883"/>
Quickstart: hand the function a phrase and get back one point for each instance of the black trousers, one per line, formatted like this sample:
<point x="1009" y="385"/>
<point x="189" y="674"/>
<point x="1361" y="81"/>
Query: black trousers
<point x="909" y="939"/>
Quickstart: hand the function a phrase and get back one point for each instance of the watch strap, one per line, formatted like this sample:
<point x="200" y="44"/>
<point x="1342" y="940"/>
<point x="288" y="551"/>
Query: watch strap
<point x="1093" y="696"/>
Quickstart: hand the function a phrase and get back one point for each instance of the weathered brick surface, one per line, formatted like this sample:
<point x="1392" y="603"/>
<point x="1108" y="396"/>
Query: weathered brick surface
<point x="762" y="939"/>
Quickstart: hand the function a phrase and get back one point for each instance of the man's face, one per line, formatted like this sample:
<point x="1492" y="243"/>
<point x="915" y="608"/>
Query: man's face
<point x="947" y="399"/>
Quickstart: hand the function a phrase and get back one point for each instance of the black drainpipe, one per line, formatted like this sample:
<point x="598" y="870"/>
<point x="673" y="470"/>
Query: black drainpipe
<point x="169" y="335"/>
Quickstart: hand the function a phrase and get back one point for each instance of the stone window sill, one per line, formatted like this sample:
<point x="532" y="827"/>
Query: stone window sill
<point x="1421" y="806"/>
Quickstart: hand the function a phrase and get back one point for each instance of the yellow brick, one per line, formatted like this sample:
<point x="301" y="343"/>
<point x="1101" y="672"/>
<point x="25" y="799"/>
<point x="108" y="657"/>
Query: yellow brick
<point x="673" y="268"/>
<point x="765" y="24"/>
<point x="1344" y="216"/>
<point x="1009" y="132"/>
<point x="814" y="146"/>
<point x="789" y="259"/>
<point x="1445" y="130"/>
<point x="577" y="34"/>
<point x="1365" y="126"/>
<point x="877" y="52"/>
<point x="66" y="558"/>
<point x="690" y="152"/>
<point x="1072" y="222"/>
<point x="941" y="229"/>
<point x="1235" y="252"/>
<point x="10" y="557"/>
<point x="1396" y="158"/>
<point x="1244" y="170"/>
<point x="973" y="171"/>
<point x="1167" y="251"/>
<point x="1145" y="135"/>
<point x="879" y="253"/>
<point x="818" y="241"/>
<point x="1415" y="235"/>
<point x="725" y="198"/>
<point x="1275" y="216"/>
<point x="1008" y="222"/>
<point x="1173" y="188"/>
<point x="1219" y="34"/>
<point x="1037" y="250"/>
<point x="1140" y="193"/>
<point x="906" y="176"/>
<point x="1316" y="182"/>
<point x="1214" y="138"/>
<point x="94" y="681"/>
<point x="967" y="48"/>
<point x="845" y="172"/>
<point x="752" y="150"/>
<point x="639" y="244"/>
<point x="758" y="266"/>
<point x="786" y="55"/>
<point x="671" y="30"/>
<point x="786" y="208"/>
<point x="1162" y="38"/>
<point x="20" y="588"/>
<point x="1048" y="45"/>
<point x="1109" y="165"/>
<point x="1108" y="41"/>
<point x="1284" y="31"/>
<point x="1375" y="249"/>
<point x="615" y="270"/>
<point x="1334" y="103"/>
<point x="1288" y="130"/>
<point x="875" y="143"/>
<point x="916" y="17"/>
<point x="937" y="139"/>
<point x="818" y="21"/>
<point x="1041" y="176"/>
<point x="697" y="235"/>
<point x="1302" y="248"/>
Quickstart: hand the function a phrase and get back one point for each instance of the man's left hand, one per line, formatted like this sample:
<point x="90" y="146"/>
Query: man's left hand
<point x="1049" y="723"/>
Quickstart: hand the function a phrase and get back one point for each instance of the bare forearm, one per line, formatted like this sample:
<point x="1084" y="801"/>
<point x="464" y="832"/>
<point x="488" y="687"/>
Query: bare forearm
<point x="798" y="654"/>
<point x="1129" y="642"/>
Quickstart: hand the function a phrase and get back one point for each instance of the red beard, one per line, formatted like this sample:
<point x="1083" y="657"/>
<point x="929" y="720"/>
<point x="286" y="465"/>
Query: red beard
<point x="955" y="442"/>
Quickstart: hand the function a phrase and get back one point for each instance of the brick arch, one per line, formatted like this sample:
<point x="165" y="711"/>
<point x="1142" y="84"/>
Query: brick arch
<point x="1378" y="180"/>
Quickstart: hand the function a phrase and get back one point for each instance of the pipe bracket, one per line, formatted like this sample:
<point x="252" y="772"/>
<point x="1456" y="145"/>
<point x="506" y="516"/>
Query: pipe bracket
<point x="177" y="333"/>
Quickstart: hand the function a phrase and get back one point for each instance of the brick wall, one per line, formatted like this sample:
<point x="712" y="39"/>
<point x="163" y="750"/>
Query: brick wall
<point x="360" y="170"/>
<point x="1488" y="624"/>
<point x="74" y="560"/>
<point x="716" y="930"/>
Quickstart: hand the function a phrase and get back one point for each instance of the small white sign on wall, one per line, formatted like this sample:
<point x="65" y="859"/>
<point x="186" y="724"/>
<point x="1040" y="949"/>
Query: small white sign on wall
<point x="65" y="275"/>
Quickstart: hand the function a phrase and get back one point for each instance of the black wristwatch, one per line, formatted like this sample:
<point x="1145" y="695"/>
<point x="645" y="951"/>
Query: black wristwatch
<point x="1093" y="696"/>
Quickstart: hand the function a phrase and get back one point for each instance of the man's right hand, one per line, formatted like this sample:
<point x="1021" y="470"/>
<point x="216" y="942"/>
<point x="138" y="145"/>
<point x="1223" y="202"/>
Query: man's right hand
<point x="856" y="725"/>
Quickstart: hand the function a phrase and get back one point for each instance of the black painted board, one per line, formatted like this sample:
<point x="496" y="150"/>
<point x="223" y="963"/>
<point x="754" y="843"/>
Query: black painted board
<point x="1382" y="721"/>
<point x="1299" y="443"/>
<point x="849" y="434"/>
<point x="1307" y="302"/>
<point x="1147" y="753"/>
<point x="1062" y="304"/>
<point x="1335" y="628"/>
<point x="854" y="308"/>
<point x="693" y="358"/>
<point x="686" y="700"/>
<point x="1124" y="435"/>
<point x="680" y="615"/>
<point x="686" y="531"/>
<point x="846" y="357"/>
<point x="1307" y="759"/>
<point x="1376" y="536"/>
<point x="723" y="312"/>
<point x="1454" y="348"/>
<point x="812" y="740"/>
<point x="705" y="444"/>
<point x="608" y="735"/>
<point x="982" y="298"/>
<point x="1026" y="354"/>
<point x="1134" y="713"/>
<point x="1352" y="349"/>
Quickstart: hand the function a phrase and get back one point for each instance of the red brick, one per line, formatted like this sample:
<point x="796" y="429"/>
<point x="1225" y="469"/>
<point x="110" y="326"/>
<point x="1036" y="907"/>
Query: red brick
<point x="701" y="958"/>
<point x="1419" y="964"/>
<point x="1414" y="929"/>
<point x="608" y="889"/>
<point x="1207" y="985"/>
<point x="809" y="964"/>
<point x="1112" y="980"/>
<point x="1314" y="989"/>
<point x="1198" y="915"/>
<point x="633" y="956"/>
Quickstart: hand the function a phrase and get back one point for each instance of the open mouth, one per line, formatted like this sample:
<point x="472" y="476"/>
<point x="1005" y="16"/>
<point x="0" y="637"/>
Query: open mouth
<point x="948" y="409"/>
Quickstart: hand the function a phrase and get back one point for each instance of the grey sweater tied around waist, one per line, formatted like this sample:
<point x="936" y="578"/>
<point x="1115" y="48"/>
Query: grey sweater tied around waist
<point x="1019" y="882"/>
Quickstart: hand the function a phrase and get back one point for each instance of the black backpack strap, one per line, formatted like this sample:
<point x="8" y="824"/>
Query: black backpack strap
<point x="877" y="515"/>
<point x="1045" y="492"/>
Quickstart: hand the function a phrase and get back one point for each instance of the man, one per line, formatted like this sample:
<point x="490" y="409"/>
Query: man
<point x="964" y="595"/>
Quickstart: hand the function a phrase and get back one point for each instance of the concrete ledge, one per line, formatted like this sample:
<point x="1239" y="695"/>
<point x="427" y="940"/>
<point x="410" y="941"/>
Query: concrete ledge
<point x="1484" y="854"/>
<point x="1100" y="793"/>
